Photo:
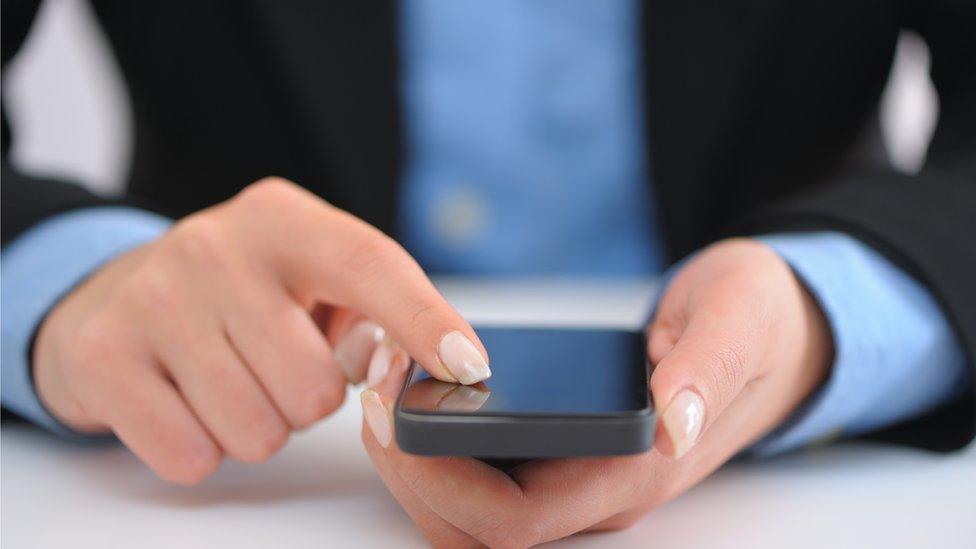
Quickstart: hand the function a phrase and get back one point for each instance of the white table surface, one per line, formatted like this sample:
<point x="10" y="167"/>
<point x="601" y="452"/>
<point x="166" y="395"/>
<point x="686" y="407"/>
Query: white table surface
<point x="320" y="491"/>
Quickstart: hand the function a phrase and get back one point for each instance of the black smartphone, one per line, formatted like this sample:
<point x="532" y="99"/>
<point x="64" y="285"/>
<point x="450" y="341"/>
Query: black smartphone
<point x="552" y="393"/>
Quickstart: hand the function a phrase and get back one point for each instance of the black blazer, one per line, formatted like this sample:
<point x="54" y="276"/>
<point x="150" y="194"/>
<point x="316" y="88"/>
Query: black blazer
<point x="753" y="109"/>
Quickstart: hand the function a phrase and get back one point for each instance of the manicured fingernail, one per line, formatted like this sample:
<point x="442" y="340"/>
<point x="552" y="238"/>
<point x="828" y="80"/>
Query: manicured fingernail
<point x="464" y="398"/>
<point x="379" y="366"/>
<point x="463" y="359"/>
<point x="377" y="417"/>
<point x="683" y="420"/>
<point x="355" y="349"/>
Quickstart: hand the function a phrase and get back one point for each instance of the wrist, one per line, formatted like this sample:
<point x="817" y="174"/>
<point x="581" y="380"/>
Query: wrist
<point x="803" y="336"/>
<point x="809" y="345"/>
<point x="818" y="351"/>
<point x="49" y="384"/>
<point x="62" y="331"/>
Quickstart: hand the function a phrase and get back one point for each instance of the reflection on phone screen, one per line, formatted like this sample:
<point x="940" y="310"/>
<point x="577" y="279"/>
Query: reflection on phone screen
<point x="564" y="371"/>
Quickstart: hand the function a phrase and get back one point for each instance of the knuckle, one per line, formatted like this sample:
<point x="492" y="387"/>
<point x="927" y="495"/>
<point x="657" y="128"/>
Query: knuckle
<point x="267" y="192"/>
<point x="424" y="309"/>
<point x="263" y="444"/>
<point x="193" y="471"/>
<point x="89" y="349"/>
<point x="320" y="403"/>
<point x="729" y="366"/>
<point x="373" y="254"/>
<point x="271" y="184"/>
<point x="152" y="291"/>
<point x="183" y="476"/>
<point x="199" y="238"/>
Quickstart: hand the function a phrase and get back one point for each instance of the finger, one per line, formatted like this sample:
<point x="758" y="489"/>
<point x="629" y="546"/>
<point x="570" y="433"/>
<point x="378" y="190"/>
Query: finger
<point x="438" y="531"/>
<point x="389" y="387"/>
<point x="578" y="493"/>
<point x="545" y="500"/>
<point x="331" y="319"/>
<point x="222" y="392"/>
<point x="620" y="521"/>
<point x="355" y="347"/>
<point x="716" y="353"/>
<point x="286" y="352"/>
<point x="150" y="417"/>
<point x="386" y="356"/>
<point x="661" y="338"/>
<point x="341" y="260"/>
<point x="378" y="440"/>
<point x="353" y="338"/>
<point x="429" y="394"/>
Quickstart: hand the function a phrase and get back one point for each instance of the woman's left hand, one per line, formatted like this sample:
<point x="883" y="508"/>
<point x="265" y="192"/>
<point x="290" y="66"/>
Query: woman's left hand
<point x="737" y="344"/>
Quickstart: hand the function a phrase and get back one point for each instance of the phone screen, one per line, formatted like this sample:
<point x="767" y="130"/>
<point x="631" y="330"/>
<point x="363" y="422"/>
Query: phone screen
<point x="543" y="371"/>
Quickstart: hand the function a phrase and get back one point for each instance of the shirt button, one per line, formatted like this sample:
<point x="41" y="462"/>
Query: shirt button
<point x="460" y="216"/>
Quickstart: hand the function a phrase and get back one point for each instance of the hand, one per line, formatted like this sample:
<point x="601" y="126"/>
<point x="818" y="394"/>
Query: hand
<point x="215" y="339"/>
<point x="737" y="344"/>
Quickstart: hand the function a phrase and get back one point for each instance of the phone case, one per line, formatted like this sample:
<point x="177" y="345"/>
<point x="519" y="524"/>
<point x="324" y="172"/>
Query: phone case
<point x="523" y="436"/>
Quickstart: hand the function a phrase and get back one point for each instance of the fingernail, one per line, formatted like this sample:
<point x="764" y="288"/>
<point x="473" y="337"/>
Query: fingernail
<point x="355" y="349"/>
<point x="683" y="420"/>
<point x="464" y="398"/>
<point x="377" y="417"/>
<point x="463" y="359"/>
<point x="379" y="366"/>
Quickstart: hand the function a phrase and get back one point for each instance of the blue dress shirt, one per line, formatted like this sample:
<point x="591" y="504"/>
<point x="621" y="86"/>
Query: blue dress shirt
<point x="525" y="142"/>
<point x="526" y="158"/>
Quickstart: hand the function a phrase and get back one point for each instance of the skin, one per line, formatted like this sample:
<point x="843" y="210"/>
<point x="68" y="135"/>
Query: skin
<point x="735" y="326"/>
<point x="216" y="339"/>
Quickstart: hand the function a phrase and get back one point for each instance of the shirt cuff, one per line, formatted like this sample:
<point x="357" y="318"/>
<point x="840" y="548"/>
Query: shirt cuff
<point x="896" y="356"/>
<point x="42" y="265"/>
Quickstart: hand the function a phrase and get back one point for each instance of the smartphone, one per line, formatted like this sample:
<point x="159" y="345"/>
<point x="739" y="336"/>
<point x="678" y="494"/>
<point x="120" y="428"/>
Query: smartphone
<point x="552" y="393"/>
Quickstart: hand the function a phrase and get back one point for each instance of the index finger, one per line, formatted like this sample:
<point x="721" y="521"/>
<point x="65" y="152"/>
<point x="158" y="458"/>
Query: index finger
<point x="324" y="254"/>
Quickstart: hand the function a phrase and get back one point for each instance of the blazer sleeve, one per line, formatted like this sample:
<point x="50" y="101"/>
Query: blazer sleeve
<point x="925" y="223"/>
<point x="27" y="200"/>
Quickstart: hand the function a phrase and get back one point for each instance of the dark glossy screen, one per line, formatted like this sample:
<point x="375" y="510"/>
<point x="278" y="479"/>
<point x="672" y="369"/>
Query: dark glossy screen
<point x="545" y="371"/>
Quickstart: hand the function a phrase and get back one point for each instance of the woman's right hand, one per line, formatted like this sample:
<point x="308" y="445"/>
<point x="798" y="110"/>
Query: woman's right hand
<point x="241" y="324"/>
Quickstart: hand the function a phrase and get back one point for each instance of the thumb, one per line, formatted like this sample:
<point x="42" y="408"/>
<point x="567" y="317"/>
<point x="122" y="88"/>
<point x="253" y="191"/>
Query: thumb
<point x="702" y="366"/>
